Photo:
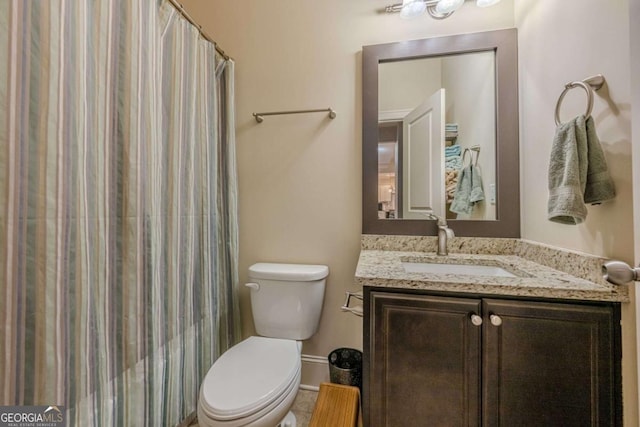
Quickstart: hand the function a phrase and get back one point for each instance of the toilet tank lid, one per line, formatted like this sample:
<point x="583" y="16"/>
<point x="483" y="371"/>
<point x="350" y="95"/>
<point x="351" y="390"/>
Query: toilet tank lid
<point x="288" y="272"/>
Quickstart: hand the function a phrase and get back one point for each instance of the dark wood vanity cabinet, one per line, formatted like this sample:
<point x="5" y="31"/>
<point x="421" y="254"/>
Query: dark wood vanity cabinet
<point x="433" y="360"/>
<point x="424" y="361"/>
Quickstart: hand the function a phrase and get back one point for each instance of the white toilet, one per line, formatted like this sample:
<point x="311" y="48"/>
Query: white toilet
<point x="255" y="382"/>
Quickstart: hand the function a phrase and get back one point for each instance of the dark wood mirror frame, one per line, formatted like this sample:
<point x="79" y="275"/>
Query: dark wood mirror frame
<point x="504" y="44"/>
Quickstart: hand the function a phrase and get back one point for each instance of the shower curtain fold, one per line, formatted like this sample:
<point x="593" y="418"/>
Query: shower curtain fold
<point x="118" y="210"/>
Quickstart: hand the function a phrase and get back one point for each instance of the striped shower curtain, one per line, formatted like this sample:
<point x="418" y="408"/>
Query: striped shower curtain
<point x="118" y="228"/>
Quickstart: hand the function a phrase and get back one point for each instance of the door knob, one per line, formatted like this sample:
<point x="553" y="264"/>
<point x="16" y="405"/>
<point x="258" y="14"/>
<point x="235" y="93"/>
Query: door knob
<point x="495" y="320"/>
<point x="619" y="273"/>
<point x="476" y="320"/>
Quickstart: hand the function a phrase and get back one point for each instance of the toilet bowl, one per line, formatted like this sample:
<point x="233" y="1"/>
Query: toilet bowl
<point x="255" y="382"/>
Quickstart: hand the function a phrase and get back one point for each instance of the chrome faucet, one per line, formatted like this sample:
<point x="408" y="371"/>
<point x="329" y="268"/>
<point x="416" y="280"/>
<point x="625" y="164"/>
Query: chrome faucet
<point x="444" y="233"/>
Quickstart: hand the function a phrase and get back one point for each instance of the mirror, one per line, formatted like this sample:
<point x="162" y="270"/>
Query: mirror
<point x="436" y="118"/>
<point x="440" y="135"/>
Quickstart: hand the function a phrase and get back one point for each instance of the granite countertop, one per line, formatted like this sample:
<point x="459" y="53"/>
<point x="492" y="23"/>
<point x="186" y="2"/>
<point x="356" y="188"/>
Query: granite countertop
<point x="383" y="268"/>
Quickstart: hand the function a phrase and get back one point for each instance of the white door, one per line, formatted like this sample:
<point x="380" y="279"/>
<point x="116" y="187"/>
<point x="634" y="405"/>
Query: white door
<point x="423" y="159"/>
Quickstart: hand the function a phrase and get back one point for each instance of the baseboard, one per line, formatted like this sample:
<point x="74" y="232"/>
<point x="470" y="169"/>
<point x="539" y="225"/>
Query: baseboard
<point x="315" y="370"/>
<point x="309" y="387"/>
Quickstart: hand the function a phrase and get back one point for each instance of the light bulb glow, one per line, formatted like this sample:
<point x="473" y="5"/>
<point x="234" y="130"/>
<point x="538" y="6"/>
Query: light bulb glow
<point x="412" y="8"/>
<point x="448" y="6"/>
<point x="486" y="3"/>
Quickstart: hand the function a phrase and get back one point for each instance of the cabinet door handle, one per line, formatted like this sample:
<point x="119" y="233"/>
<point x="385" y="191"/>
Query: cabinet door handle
<point x="495" y="320"/>
<point x="476" y="320"/>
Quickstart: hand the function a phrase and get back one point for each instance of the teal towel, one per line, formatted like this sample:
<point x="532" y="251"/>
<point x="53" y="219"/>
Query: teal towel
<point x="453" y="150"/>
<point x="599" y="185"/>
<point x="477" y="193"/>
<point x="568" y="173"/>
<point x="454" y="162"/>
<point x="461" y="200"/>
<point x="578" y="172"/>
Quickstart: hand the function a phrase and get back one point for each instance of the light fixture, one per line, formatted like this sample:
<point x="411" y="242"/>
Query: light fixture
<point x="486" y="3"/>
<point x="412" y="8"/>
<point x="448" y="6"/>
<point x="438" y="9"/>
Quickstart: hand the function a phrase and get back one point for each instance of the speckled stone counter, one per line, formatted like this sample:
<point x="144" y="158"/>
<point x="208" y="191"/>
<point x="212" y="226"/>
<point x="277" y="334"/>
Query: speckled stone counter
<point x="541" y="271"/>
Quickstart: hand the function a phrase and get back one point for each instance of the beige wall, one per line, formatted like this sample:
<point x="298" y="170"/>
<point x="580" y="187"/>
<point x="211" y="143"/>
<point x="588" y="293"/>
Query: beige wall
<point x="403" y="85"/>
<point x="300" y="176"/>
<point x="580" y="38"/>
<point x="634" y="19"/>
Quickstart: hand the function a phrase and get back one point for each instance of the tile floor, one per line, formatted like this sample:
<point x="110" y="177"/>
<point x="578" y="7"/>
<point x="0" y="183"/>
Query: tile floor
<point x="302" y="407"/>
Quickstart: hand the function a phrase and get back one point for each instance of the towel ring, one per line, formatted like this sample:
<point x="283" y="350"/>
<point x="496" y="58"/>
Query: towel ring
<point x="464" y="156"/>
<point x="470" y="151"/>
<point x="589" y="85"/>
<point x="567" y="88"/>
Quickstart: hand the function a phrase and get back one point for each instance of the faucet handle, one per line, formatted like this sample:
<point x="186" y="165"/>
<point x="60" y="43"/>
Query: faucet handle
<point x="442" y="221"/>
<point x="431" y="215"/>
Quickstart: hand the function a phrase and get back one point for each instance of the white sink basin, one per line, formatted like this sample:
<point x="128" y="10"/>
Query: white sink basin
<point x="466" y="269"/>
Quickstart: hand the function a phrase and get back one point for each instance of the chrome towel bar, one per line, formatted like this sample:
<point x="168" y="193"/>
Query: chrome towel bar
<point x="260" y="116"/>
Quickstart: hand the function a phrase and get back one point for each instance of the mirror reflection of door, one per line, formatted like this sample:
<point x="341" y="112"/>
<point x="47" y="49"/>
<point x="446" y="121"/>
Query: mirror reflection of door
<point x="423" y="158"/>
<point x="469" y="114"/>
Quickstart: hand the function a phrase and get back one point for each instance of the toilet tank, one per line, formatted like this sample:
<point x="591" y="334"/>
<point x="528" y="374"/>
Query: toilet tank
<point x="286" y="299"/>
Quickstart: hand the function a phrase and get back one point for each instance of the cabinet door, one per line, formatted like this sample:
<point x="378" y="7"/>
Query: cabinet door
<point x="423" y="359"/>
<point x="549" y="364"/>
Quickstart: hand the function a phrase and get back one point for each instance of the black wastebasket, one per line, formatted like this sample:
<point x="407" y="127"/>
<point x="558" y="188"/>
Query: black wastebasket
<point x="345" y="367"/>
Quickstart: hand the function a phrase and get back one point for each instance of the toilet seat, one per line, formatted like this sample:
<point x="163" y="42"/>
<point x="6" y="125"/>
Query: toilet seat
<point x="250" y="380"/>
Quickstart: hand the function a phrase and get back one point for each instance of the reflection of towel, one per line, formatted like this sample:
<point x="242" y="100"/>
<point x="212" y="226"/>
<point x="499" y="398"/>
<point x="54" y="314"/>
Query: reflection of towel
<point x="461" y="203"/>
<point x="468" y="192"/>
<point x="599" y="186"/>
<point x="477" y="194"/>
<point x="453" y="150"/>
<point x="451" y="182"/>
<point x="454" y="162"/>
<point x="574" y="145"/>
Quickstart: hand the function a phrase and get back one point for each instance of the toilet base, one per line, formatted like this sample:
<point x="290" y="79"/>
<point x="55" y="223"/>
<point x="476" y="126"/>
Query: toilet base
<point x="288" y="421"/>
